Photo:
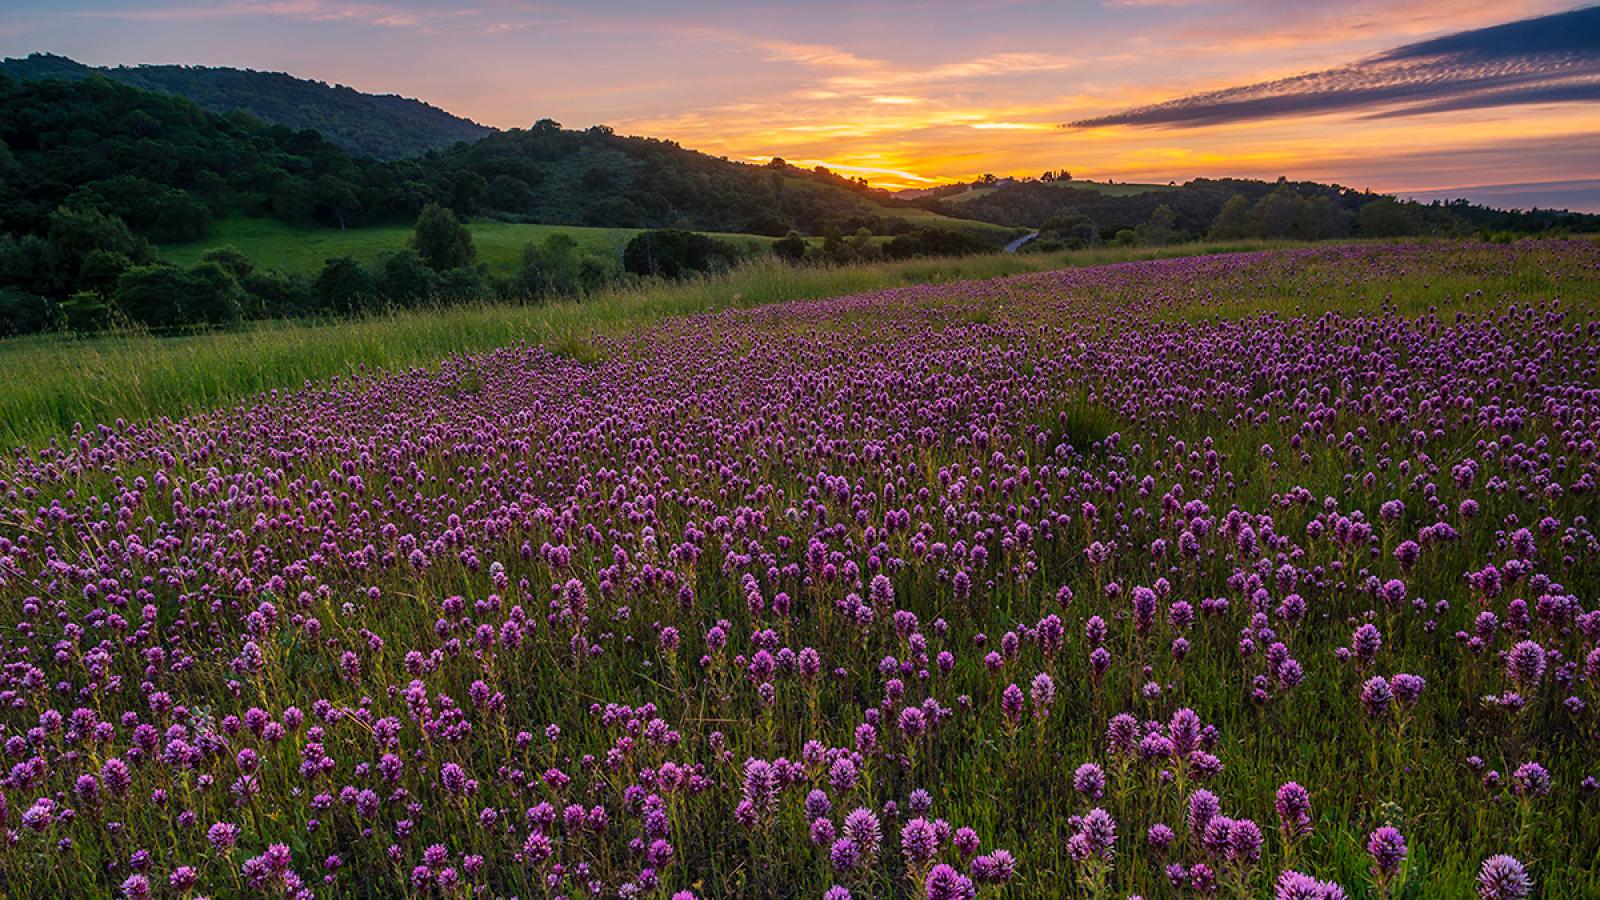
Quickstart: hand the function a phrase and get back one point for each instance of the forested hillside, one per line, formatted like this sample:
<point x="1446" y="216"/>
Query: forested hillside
<point x="382" y="126"/>
<point x="1076" y="214"/>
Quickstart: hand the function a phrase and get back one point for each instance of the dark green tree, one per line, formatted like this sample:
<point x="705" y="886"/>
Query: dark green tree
<point x="1276" y="214"/>
<point x="152" y="295"/>
<point x="790" y="248"/>
<point x="213" y="296"/>
<point x="406" y="279"/>
<point x="230" y="258"/>
<point x="343" y="286"/>
<point x="77" y="229"/>
<point x="101" y="269"/>
<point x="441" y="240"/>
<point x="336" y="197"/>
<point x="1385" y="217"/>
<point x="1233" y="221"/>
<point x="462" y="283"/>
<point x="671" y="253"/>
<point x="275" y="294"/>
<point x="23" y="313"/>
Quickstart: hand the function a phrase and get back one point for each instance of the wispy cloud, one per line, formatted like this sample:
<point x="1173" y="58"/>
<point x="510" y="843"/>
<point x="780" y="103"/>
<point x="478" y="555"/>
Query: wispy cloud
<point x="384" y="15"/>
<point x="1550" y="59"/>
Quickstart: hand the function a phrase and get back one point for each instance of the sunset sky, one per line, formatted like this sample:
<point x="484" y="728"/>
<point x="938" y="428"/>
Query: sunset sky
<point x="1408" y="97"/>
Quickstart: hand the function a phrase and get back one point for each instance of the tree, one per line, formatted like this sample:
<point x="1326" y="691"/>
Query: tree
<point x="1320" y="219"/>
<point x="1276" y="213"/>
<point x="231" y="259"/>
<point x="509" y="194"/>
<point x="463" y="283"/>
<point x="552" y="267"/>
<point x="343" y="286"/>
<point x="790" y="248"/>
<point x="276" y="294"/>
<point x="294" y="201"/>
<point x="1233" y="221"/>
<point x="86" y="311"/>
<point x="1071" y="231"/>
<point x="212" y="297"/>
<point x="176" y="217"/>
<point x="670" y="253"/>
<point x="407" y="279"/>
<point x="77" y="229"/>
<point x="441" y="240"/>
<point x="337" y="196"/>
<point x="1385" y="217"/>
<point x="152" y="295"/>
<point x="23" y="313"/>
<point x="1160" y="229"/>
<point x="466" y="190"/>
<point x="101" y="269"/>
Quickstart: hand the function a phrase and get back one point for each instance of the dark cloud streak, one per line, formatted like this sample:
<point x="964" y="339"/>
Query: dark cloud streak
<point x="1550" y="59"/>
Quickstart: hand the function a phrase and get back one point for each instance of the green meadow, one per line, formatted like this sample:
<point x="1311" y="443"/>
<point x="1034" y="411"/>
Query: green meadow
<point x="277" y="245"/>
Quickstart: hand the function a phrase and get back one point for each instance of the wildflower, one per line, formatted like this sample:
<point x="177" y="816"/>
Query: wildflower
<point x="1503" y="878"/>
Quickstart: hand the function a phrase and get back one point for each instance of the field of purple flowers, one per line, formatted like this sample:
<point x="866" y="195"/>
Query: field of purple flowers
<point x="1267" y="575"/>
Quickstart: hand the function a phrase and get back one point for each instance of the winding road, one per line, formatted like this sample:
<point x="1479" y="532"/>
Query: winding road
<point x="1017" y="244"/>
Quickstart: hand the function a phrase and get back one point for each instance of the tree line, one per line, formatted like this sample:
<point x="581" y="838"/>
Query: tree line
<point x="1228" y="209"/>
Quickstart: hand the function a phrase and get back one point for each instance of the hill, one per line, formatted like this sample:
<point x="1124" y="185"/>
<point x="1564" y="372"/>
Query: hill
<point x="382" y="126"/>
<point x="94" y="172"/>
<point x="1302" y="210"/>
<point x="166" y="166"/>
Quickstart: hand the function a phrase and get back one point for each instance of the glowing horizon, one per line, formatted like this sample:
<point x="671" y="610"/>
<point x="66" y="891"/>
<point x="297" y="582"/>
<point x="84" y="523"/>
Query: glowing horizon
<point x="912" y="95"/>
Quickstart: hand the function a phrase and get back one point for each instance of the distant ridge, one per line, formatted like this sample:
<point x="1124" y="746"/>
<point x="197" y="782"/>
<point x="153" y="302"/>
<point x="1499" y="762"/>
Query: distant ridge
<point x="382" y="126"/>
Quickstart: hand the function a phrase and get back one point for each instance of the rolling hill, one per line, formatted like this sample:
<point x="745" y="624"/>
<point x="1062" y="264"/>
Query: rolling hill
<point x="382" y="126"/>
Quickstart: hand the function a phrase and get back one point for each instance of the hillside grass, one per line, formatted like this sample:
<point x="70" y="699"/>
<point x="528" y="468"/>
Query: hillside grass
<point x="273" y="244"/>
<point x="56" y="382"/>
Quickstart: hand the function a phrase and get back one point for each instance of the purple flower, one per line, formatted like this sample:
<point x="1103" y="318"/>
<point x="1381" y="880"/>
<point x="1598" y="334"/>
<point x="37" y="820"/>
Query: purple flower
<point x="844" y="855"/>
<point x="1090" y="781"/>
<point x="1503" y="878"/>
<point x="994" y="868"/>
<point x="862" y="828"/>
<point x="1525" y="664"/>
<point x="1043" y="692"/>
<point x="1530" y="780"/>
<point x="1100" y="831"/>
<point x="1244" y="843"/>
<point x="1407" y="688"/>
<point x="945" y="883"/>
<point x="223" y="835"/>
<point x="1376" y="695"/>
<point x="1292" y="885"/>
<point x="1293" y="804"/>
<point x="918" y="842"/>
<point x="1203" y="807"/>
<point x="1388" y="849"/>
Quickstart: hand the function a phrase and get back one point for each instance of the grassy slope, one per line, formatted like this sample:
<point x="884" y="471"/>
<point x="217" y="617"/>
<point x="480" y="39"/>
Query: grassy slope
<point x="274" y="244"/>
<point x="56" y="381"/>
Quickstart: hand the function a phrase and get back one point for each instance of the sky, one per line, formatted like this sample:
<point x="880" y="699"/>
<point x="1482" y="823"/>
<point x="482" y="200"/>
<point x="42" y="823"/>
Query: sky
<point x="1496" y="101"/>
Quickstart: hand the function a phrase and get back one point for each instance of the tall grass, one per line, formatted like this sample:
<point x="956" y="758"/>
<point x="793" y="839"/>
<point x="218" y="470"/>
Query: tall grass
<point x="53" y="383"/>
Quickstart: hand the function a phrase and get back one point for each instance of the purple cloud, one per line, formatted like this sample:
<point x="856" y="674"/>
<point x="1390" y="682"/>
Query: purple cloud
<point x="1549" y="59"/>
